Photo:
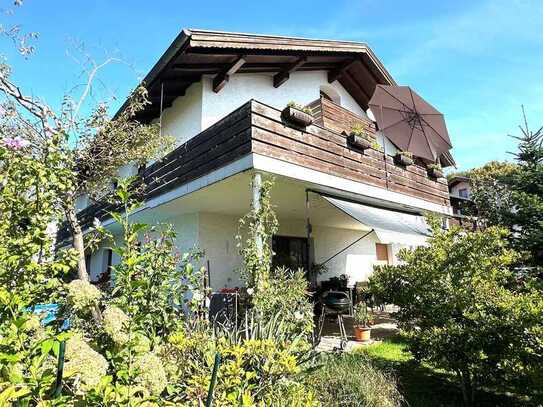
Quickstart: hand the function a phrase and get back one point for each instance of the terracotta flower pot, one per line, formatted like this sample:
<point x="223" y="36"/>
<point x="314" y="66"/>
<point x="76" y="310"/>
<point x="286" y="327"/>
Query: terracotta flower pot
<point x="362" y="334"/>
<point x="358" y="141"/>
<point x="296" y="117"/>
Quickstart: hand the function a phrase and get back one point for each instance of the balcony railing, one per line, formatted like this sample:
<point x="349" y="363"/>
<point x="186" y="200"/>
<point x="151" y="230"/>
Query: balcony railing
<point x="256" y="128"/>
<point x="334" y="117"/>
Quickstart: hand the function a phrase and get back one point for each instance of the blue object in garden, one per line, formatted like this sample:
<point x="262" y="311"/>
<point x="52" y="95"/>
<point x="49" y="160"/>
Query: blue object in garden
<point x="48" y="314"/>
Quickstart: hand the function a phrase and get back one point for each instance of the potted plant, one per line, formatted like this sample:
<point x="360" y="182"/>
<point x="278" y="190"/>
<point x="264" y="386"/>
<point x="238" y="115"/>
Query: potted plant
<point x="404" y="158"/>
<point x="360" y="137"/>
<point x="435" y="171"/>
<point x="297" y="114"/>
<point x="362" y="321"/>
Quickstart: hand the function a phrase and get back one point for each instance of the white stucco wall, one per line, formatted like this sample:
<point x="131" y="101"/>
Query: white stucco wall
<point x="183" y="119"/>
<point x="217" y="238"/>
<point x="356" y="262"/>
<point x="185" y="226"/>
<point x="302" y="87"/>
<point x="186" y="229"/>
<point x="215" y="235"/>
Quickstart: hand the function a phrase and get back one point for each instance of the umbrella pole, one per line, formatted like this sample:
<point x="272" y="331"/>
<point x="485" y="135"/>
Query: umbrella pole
<point x="384" y="151"/>
<point x="385" y="156"/>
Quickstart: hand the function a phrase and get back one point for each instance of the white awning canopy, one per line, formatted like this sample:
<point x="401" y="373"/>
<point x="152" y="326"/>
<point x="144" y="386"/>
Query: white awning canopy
<point x="389" y="226"/>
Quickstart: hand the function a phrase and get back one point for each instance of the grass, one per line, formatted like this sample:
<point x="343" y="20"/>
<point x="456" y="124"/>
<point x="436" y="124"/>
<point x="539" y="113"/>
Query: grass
<point x="352" y="380"/>
<point x="422" y="385"/>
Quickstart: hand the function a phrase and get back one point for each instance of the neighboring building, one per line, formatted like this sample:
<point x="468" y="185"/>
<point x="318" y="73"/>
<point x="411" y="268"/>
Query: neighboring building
<point x="222" y="95"/>
<point x="462" y="205"/>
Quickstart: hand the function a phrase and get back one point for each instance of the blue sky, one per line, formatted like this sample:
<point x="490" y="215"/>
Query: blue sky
<point x="476" y="61"/>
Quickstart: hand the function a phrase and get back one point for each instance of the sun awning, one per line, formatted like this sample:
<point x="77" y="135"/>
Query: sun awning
<point x="389" y="226"/>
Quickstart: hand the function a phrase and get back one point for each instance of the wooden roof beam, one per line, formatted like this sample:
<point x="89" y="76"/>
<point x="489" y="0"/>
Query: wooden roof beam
<point x="220" y="80"/>
<point x="284" y="75"/>
<point x="337" y="73"/>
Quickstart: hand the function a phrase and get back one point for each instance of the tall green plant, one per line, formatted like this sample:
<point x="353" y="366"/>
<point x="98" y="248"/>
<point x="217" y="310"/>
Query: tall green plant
<point x="255" y="232"/>
<point x="153" y="283"/>
<point x="461" y="309"/>
<point x="511" y="196"/>
<point x="30" y="179"/>
<point x="277" y="291"/>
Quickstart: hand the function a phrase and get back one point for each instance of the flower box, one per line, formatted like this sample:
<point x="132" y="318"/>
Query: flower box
<point x="435" y="172"/>
<point x="359" y="141"/>
<point x="296" y="117"/>
<point x="403" y="159"/>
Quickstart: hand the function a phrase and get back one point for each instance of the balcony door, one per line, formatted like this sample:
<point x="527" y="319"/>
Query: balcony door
<point x="290" y="252"/>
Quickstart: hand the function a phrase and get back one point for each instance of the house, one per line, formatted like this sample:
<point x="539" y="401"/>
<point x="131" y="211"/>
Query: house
<point x="461" y="203"/>
<point x="221" y="95"/>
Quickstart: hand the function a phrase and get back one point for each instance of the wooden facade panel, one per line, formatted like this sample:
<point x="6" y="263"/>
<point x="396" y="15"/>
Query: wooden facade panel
<point x="327" y="151"/>
<point x="341" y="120"/>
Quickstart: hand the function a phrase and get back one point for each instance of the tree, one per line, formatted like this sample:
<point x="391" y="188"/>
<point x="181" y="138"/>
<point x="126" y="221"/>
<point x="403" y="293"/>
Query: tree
<point x="511" y="195"/>
<point x="90" y="147"/>
<point x="461" y="308"/>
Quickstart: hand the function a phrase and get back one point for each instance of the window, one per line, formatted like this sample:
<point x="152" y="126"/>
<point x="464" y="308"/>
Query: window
<point x="290" y="252"/>
<point x="463" y="192"/>
<point x="381" y="251"/>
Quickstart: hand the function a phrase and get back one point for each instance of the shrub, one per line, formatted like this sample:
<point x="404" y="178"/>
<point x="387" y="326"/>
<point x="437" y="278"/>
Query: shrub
<point x="115" y="324"/>
<point x="82" y="295"/>
<point x="257" y="365"/>
<point x="461" y="307"/>
<point x="83" y="364"/>
<point x="150" y="373"/>
<point x="288" y="297"/>
<point x="350" y="379"/>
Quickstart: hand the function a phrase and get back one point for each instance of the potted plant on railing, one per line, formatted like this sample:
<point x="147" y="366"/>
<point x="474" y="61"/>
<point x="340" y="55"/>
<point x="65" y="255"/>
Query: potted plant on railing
<point x="360" y="137"/>
<point x="435" y="171"/>
<point x="297" y="114"/>
<point x="362" y="321"/>
<point x="404" y="158"/>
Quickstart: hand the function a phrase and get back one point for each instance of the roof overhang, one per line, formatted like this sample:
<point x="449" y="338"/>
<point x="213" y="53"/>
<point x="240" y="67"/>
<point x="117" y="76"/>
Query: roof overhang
<point x="195" y="53"/>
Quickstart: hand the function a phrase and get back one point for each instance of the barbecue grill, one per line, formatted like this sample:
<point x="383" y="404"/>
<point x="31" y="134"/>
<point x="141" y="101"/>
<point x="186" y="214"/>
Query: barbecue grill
<point x="337" y="304"/>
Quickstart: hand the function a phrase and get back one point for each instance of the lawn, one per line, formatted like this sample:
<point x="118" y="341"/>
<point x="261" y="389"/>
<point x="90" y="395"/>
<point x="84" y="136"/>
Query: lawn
<point x="422" y="385"/>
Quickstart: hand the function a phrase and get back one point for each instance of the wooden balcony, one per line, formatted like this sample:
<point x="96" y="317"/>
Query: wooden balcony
<point x="256" y="128"/>
<point x="336" y="118"/>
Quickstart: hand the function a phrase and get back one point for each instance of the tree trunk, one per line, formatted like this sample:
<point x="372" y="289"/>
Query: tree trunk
<point x="468" y="391"/>
<point x="79" y="246"/>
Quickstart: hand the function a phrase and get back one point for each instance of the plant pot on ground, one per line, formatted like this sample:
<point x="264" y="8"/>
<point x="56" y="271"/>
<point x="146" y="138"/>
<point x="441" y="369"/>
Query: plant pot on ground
<point x="404" y="158"/>
<point x="297" y="115"/>
<point x="362" y="321"/>
<point x="435" y="171"/>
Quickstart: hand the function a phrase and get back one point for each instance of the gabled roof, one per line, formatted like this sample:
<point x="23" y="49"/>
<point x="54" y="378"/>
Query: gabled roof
<point x="199" y="52"/>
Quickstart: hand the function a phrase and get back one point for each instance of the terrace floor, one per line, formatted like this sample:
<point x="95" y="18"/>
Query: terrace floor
<point x="383" y="327"/>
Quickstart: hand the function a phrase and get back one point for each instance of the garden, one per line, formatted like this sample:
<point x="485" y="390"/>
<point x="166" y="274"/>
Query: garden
<point x="469" y="304"/>
<point x="469" y="308"/>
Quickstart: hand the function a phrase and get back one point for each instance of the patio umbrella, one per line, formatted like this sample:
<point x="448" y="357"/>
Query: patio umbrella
<point x="410" y="122"/>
